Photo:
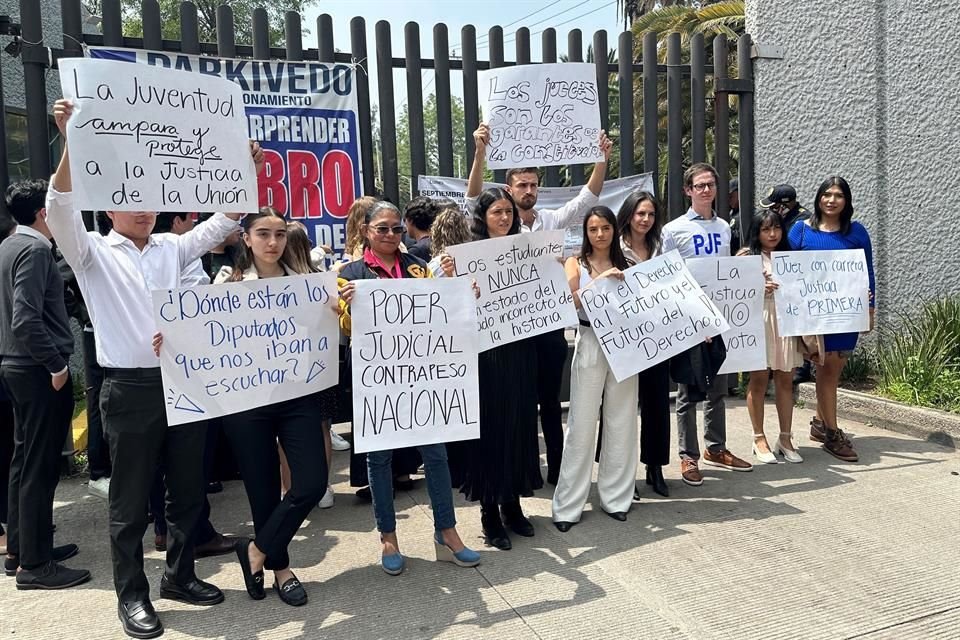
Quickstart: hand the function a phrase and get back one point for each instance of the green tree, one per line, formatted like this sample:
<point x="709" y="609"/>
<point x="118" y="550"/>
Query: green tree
<point x="430" y="143"/>
<point x="207" y="17"/>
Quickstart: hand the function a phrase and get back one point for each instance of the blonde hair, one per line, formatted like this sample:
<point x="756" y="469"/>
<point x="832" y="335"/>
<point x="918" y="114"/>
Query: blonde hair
<point x="296" y="255"/>
<point x="449" y="228"/>
<point x="355" y="219"/>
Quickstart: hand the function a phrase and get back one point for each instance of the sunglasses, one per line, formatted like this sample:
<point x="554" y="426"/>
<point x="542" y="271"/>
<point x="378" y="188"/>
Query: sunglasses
<point x="382" y="230"/>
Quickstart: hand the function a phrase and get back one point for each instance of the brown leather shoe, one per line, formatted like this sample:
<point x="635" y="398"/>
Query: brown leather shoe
<point x="690" y="473"/>
<point x="160" y="543"/>
<point x="218" y="545"/>
<point x="726" y="460"/>
<point x="818" y="432"/>
<point x="839" y="446"/>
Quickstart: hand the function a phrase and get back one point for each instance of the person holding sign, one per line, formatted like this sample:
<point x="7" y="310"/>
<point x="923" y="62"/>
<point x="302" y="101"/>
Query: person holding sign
<point x="116" y="274"/>
<point x="382" y="258"/>
<point x="592" y="382"/>
<point x="522" y="185"/>
<point x="697" y="233"/>
<point x="254" y="434"/>
<point x="505" y="463"/>
<point x="640" y="224"/>
<point x="783" y="354"/>
<point x="831" y="227"/>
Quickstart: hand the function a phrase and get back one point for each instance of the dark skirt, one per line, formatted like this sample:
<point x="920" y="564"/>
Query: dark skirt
<point x="504" y="463"/>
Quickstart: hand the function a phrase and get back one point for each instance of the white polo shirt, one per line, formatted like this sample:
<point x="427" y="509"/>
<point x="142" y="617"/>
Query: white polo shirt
<point x="696" y="237"/>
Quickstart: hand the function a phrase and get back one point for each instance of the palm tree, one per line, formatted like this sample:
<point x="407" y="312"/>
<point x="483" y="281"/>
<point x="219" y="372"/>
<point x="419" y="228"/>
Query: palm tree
<point x="630" y="10"/>
<point x="726" y="17"/>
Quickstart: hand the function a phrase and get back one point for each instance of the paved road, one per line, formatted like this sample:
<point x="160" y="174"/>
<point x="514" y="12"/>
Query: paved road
<point x="818" y="550"/>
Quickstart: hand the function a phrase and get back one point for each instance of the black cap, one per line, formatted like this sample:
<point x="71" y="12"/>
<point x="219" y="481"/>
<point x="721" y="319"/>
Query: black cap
<point x="780" y="194"/>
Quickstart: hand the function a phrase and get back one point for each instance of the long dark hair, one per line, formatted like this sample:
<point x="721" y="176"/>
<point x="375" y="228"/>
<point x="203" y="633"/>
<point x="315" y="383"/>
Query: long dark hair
<point x="625" y="215"/>
<point x="243" y="258"/>
<point x="616" y="252"/>
<point x="845" y="216"/>
<point x="759" y="219"/>
<point x="486" y="199"/>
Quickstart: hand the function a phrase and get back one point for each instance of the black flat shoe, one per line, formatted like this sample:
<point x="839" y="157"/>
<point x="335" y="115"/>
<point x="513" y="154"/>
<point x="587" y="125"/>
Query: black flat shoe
<point x="139" y="619"/>
<point x="292" y="592"/>
<point x="655" y="479"/>
<point x="617" y="515"/>
<point x="253" y="581"/>
<point x="498" y="539"/>
<point x="563" y="527"/>
<point x="195" y="592"/>
<point x="214" y="487"/>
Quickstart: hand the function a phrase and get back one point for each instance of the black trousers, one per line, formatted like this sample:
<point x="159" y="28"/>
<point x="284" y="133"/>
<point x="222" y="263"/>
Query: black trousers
<point x="654" y="386"/>
<point x="253" y="435"/>
<point x="98" y="453"/>
<point x="6" y="454"/>
<point x="205" y="531"/>
<point x="41" y="421"/>
<point x="551" y="359"/>
<point x="134" y="421"/>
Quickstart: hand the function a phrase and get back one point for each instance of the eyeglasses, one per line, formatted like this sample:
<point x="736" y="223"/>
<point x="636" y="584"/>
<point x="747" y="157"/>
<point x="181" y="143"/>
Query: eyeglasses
<point x="385" y="230"/>
<point x="700" y="187"/>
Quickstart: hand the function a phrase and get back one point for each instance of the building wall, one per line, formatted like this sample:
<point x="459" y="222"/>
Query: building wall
<point x="867" y="90"/>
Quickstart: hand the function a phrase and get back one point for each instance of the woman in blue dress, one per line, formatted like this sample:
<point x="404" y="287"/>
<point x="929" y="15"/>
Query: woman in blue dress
<point x="831" y="227"/>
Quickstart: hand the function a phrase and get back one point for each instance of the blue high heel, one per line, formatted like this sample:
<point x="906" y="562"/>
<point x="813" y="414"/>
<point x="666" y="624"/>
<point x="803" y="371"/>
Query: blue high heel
<point x="392" y="564"/>
<point x="466" y="557"/>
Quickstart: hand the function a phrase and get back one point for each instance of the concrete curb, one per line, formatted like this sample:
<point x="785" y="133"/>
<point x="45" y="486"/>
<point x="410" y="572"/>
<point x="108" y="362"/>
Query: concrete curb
<point x="932" y="425"/>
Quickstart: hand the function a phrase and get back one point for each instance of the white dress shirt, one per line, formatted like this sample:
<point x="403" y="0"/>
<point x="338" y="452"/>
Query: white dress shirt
<point x="116" y="278"/>
<point x="570" y="214"/>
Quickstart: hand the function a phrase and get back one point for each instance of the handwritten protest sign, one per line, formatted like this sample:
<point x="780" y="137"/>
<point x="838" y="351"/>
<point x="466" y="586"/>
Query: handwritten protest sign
<point x="523" y="289"/>
<point x="415" y="379"/>
<point x="821" y="291"/>
<point x="736" y="287"/>
<point x="154" y="139"/>
<point x="657" y="311"/>
<point x="541" y="114"/>
<point x="231" y="347"/>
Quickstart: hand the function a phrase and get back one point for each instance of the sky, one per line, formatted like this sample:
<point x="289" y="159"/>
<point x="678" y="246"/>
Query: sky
<point x="587" y="15"/>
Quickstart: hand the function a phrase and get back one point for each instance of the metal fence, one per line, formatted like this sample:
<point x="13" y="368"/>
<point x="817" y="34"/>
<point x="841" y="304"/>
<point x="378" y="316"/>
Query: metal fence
<point x="638" y="75"/>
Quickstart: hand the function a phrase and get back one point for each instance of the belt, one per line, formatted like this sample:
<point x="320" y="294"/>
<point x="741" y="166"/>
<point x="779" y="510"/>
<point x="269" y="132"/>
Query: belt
<point x="152" y="373"/>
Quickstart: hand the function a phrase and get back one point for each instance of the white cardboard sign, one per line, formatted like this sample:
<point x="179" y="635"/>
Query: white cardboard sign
<point x="657" y="311"/>
<point x="541" y="115"/>
<point x="414" y="353"/>
<point x="736" y="287"/>
<point x="821" y="292"/>
<point x="146" y="138"/>
<point x="235" y="346"/>
<point x="523" y="288"/>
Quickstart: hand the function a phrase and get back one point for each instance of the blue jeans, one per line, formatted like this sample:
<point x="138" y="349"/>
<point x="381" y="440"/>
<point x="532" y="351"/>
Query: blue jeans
<point x="380" y="474"/>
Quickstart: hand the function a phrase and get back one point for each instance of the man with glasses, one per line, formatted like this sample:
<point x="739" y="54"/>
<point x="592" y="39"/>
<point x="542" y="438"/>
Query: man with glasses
<point x="523" y="185"/>
<point x="783" y="199"/>
<point x="701" y="233"/>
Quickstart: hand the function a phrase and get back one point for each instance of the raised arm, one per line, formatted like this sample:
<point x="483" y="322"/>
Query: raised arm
<point x="481" y="138"/>
<point x="595" y="183"/>
<point x="65" y="223"/>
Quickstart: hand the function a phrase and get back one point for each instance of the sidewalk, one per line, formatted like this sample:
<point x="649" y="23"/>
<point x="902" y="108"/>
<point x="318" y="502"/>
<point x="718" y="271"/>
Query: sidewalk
<point x="823" y="549"/>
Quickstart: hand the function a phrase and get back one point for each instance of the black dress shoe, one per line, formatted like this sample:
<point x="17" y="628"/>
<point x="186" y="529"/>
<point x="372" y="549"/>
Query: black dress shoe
<point x="655" y="479"/>
<point x="493" y="532"/>
<point x="194" y="592"/>
<point x="214" y="487"/>
<point x="57" y="554"/>
<point x="617" y="515"/>
<point x="513" y="517"/>
<point x="218" y="545"/>
<point x="292" y="592"/>
<point x="139" y="619"/>
<point x="50" y="576"/>
<point x="253" y="581"/>
<point x="563" y="527"/>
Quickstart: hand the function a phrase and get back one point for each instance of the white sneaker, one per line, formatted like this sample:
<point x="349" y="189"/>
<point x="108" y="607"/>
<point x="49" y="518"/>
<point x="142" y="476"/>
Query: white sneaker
<point x="338" y="443"/>
<point x="327" y="500"/>
<point x="99" y="488"/>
